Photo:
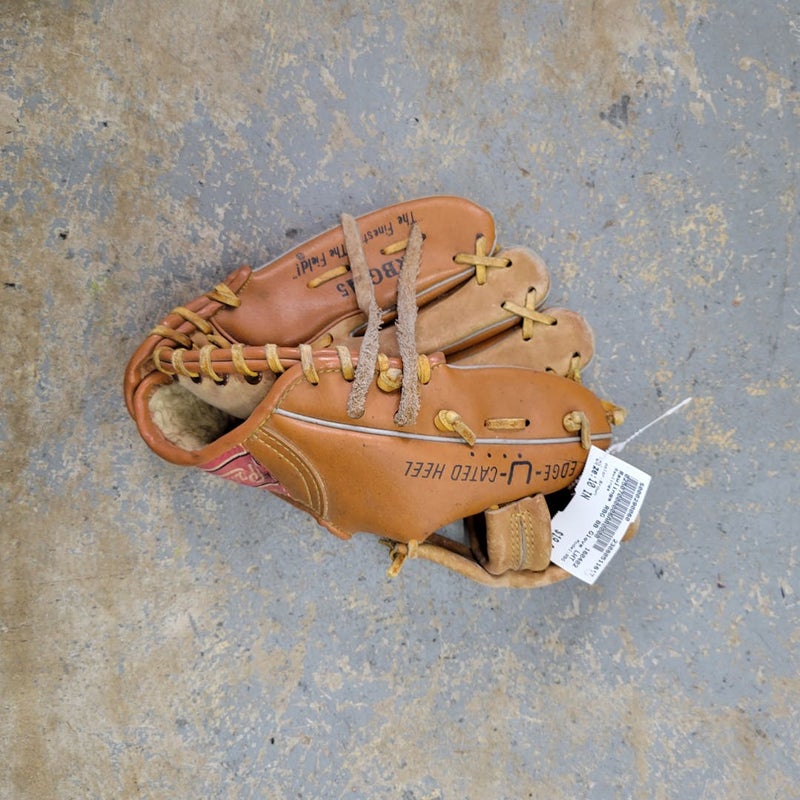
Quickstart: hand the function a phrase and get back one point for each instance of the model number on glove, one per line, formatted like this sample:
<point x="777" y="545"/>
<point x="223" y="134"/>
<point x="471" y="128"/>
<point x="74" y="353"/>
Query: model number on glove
<point x="386" y="271"/>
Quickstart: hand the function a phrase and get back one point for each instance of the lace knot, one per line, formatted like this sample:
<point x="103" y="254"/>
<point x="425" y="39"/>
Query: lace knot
<point x="222" y="293"/>
<point x="399" y="553"/>
<point x="577" y="421"/>
<point x="450" y="421"/>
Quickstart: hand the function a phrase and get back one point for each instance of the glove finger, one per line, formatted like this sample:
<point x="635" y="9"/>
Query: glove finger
<point x="551" y="347"/>
<point x="308" y="291"/>
<point x="485" y="305"/>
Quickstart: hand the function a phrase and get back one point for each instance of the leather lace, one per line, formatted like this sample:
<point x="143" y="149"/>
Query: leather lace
<point x="405" y="324"/>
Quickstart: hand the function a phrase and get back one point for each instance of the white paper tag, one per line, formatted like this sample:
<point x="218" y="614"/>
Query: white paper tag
<point x="587" y="533"/>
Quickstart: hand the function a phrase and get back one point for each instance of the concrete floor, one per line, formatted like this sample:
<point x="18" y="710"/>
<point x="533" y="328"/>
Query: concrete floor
<point x="167" y="635"/>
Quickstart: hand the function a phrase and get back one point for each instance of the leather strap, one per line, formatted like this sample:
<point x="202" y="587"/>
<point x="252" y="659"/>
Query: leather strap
<point x="458" y="558"/>
<point x="496" y="536"/>
<point x="517" y="536"/>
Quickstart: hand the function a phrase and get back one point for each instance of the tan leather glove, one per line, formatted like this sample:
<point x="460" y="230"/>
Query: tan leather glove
<point x="457" y="407"/>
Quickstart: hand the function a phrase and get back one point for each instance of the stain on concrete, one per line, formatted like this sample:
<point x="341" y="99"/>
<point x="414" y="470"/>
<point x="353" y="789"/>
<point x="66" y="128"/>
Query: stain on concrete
<point x="617" y="113"/>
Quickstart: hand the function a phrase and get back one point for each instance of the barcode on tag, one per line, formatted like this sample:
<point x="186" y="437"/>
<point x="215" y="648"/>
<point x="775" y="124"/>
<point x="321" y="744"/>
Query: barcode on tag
<point x="618" y="513"/>
<point x="587" y="533"/>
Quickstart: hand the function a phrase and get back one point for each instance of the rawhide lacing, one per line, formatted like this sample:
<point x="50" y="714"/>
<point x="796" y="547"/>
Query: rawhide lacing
<point x="481" y="260"/>
<point x="528" y="313"/>
<point x="577" y="421"/>
<point x="368" y="356"/>
<point x="221" y="294"/>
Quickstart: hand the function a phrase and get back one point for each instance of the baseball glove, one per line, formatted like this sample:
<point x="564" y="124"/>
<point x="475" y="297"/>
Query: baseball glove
<point x="392" y="376"/>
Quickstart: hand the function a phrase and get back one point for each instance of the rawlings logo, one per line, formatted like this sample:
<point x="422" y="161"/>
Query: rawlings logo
<point x="239" y="466"/>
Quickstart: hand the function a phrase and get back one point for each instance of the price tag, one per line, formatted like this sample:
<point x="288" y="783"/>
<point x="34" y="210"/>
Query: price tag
<point x="587" y="533"/>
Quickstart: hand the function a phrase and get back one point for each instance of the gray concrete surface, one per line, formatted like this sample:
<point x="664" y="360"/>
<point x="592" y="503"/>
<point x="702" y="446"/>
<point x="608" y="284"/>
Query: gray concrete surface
<point x="166" y="635"/>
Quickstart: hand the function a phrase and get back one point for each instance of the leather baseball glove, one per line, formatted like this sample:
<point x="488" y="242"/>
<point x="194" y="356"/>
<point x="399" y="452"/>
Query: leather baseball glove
<point x="392" y="376"/>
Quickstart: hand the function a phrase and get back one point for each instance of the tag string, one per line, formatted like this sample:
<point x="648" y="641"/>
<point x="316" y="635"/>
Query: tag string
<point x="620" y="446"/>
